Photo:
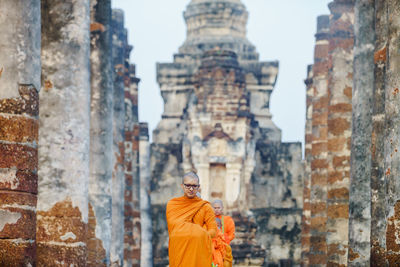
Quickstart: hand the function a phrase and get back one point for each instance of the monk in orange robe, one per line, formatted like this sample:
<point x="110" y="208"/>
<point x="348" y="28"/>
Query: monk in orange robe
<point x="191" y="226"/>
<point x="228" y="225"/>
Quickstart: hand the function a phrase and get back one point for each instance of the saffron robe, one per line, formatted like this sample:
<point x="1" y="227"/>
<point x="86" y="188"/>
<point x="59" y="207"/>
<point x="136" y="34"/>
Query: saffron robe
<point x="222" y="252"/>
<point x="191" y="225"/>
<point x="228" y="228"/>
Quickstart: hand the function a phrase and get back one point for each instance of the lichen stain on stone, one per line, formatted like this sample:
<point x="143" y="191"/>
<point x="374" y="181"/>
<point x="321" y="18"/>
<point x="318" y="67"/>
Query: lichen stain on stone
<point x="387" y="172"/>
<point x="353" y="255"/>
<point x="393" y="237"/>
<point x="1" y="71"/>
<point x="8" y="217"/>
<point x="96" y="26"/>
<point x="120" y="157"/>
<point x="348" y="91"/>
<point x="395" y="92"/>
<point x="380" y="55"/>
<point x="48" y="85"/>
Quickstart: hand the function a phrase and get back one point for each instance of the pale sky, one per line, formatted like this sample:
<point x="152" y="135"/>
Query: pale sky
<point x="281" y="30"/>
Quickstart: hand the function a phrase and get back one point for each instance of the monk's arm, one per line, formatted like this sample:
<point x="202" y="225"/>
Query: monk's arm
<point x="230" y="229"/>
<point x="209" y="220"/>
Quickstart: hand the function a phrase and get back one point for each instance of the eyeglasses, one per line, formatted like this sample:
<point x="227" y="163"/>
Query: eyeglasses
<point x="193" y="186"/>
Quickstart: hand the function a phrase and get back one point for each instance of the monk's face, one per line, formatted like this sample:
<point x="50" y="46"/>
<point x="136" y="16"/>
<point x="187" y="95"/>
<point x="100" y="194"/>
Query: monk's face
<point x="190" y="187"/>
<point x="218" y="208"/>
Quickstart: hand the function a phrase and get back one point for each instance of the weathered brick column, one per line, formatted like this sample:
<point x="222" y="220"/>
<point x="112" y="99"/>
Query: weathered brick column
<point x="306" y="217"/>
<point x="118" y="174"/>
<point x="19" y="108"/>
<point x="392" y="139"/>
<point x="378" y="179"/>
<point x="64" y="134"/>
<point x="146" y="254"/>
<point x="341" y="43"/>
<point x="101" y="134"/>
<point x="136" y="220"/>
<point x="131" y="180"/>
<point x="360" y="182"/>
<point x="319" y="148"/>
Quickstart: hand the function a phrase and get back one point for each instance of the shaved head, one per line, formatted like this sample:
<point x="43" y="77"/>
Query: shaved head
<point x="218" y="207"/>
<point x="218" y="201"/>
<point x="191" y="175"/>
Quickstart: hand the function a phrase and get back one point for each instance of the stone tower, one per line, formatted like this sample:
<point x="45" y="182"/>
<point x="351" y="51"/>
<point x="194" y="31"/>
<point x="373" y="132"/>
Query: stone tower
<point x="216" y="120"/>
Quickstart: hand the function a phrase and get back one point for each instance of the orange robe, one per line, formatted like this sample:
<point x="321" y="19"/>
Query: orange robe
<point x="218" y="249"/>
<point x="229" y="228"/>
<point x="189" y="243"/>
<point x="222" y="253"/>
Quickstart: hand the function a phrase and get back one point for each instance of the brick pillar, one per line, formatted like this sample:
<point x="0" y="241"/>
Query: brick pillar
<point x="136" y="249"/>
<point x="378" y="179"/>
<point x="19" y="108"/>
<point x="341" y="43"/>
<point x="131" y="119"/>
<point x="64" y="134"/>
<point x="101" y="134"/>
<point x="392" y="138"/>
<point x="319" y="147"/>
<point x="306" y="217"/>
<point x="118" y="174"/>
<point x="360" y="186"/>
<point x="146" y="257"/>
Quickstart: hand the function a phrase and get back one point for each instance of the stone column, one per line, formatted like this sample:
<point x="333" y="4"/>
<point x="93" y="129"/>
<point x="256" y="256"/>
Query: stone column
<point x="306" y="216"/>
<point x="319" y="147"/>
<point x="118" y="174"/>
<point x="392" y="139"/>
<point x="341" y="43"/>
<point x="130" y="173"/>
<point x="360" y="186"/>
<point x="378" y="179"/>
<point x="19" y="108"/>
<point x="64" y="134"/>
<point x="101" y="134"/>
<point x="146" y="255"/>
<point x="360" y="183"/>
<point x="136" y="235"/>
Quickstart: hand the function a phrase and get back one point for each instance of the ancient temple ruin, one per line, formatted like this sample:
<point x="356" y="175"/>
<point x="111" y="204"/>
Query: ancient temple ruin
<point x="351" y="189"/>
<point x="69" y="136"/>
<point x="217" y="121"/>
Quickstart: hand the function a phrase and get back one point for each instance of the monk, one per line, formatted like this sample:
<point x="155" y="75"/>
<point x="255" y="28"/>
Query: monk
<point x="228" y="225"/>
<point x="191" y="226"/>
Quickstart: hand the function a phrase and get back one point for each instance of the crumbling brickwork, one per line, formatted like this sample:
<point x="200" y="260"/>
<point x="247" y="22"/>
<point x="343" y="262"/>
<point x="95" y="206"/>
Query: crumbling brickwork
<point x="216" y="120"/>
<point x="56" y="162"/>
<point x="319" y="146"/>
<point x="19" y="110"/>
<point x="367" y="203"/>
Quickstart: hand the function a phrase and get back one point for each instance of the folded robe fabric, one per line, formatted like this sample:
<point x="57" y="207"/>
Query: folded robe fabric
<point x="222" y="252"/>
<point x="189" y="243"/>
